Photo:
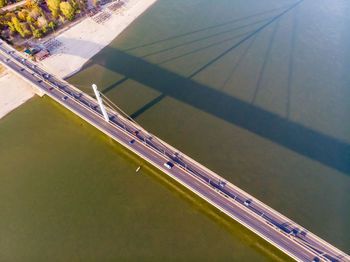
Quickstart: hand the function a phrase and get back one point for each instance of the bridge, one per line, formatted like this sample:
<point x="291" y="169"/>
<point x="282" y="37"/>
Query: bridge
<point x="283" y="233"/>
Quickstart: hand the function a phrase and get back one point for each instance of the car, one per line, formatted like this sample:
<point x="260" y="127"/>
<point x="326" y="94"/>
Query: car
<point x="168" y="165"/>
<point x="64" y="98"/>
<point x="222" y="183"/>
<point x="132" y="141"/>
<point x="46" y="76"/>
<point x="135" y="133"/>
<point x="50" y="88"/>
<point x="247" y="202"/>
<point x="316" y="259"/>
<point x="7" y="60"/>
<point x="33" y="66"/>
<point x="23" y="60"/>
<point x="22" y="69"/>
<point x="39" y="81"/>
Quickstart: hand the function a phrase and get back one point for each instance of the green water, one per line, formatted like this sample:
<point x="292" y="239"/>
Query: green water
<point x="256" y="90"/>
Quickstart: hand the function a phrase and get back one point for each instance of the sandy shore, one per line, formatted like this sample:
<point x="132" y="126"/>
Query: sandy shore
<point x="14" y="91"/>
<point x="72" y="49"/>
<point x="78" y="44"/>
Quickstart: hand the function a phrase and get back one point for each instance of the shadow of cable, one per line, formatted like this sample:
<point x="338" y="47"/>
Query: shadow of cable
<point x="245" y="39"/>
<point x="266" y="59"/>
<point x="147" y="106"/>
<point x="207" y="28"/>
<point x="305" y="141"/>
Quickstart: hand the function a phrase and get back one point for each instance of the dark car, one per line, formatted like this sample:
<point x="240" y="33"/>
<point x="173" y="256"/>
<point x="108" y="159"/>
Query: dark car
<point x="247" y="202"/>
<point x="64" y="98"/>
<point x="132" y="141"/>
<point x="168" y="165"/>
<point x="50" y="88"/>
<point x="135" y="133"/>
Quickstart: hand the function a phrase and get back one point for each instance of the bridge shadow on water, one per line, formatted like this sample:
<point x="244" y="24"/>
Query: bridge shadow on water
<point x="294" y="136"/>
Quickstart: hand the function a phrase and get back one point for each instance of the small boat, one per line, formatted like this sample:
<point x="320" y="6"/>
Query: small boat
<point x="138" y="169"/>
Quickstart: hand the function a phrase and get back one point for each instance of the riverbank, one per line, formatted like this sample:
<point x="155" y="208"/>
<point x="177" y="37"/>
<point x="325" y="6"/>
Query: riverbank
<point x="71" y="49"/>
<point x="15" y="91"/>
<point x="81" y="42"/>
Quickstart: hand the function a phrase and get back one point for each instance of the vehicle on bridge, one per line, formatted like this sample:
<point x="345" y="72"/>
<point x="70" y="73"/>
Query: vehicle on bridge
<point x="247" y="202"/>
<point x="168" y="165"/>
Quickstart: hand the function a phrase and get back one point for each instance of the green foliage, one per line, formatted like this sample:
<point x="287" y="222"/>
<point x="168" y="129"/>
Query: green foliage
<point x="36" y="2"/>
<point x="11" y="26"/>
<point x="26" y="29"/>
<point x="74" y="5"/>
<point x="32" y="27"/>
<point x="45" y="30"/>
<point x="30" y="19"/>
<point x="22" y="15"/>
<point x="67" y="10"/>
<point x="52" y="25"/>
<point x="18" y="26"/>
<point x="54" y="6"/>
<point x="3" y="3"/>
<point x="37" y="33"/>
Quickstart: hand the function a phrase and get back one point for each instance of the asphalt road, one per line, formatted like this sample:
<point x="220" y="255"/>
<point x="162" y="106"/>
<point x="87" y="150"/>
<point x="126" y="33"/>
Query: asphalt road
<point x="280" y="231"/>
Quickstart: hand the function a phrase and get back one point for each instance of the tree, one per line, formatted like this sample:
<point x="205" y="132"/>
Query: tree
<point x="74" y="5"/>
<point x="18" y="26"/>
<point x="30" y="19"/>
<point x="26" y="29"/>
<point x="67" y="10"/>
<point x="52" y="25"/>
<point x="54" y="6"/>
<point x="42" y="21"/>
<point x="45" y="30"/>
<point x="22" y="15"/>
<point x="3" y="3"/>
<point x="11" y="26"/>
<point x="37" y="33"/>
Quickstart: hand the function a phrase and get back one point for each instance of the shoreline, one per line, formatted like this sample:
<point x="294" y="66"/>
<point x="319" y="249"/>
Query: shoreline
<point x="91" y="33"/>
<point x="15" y="91"/>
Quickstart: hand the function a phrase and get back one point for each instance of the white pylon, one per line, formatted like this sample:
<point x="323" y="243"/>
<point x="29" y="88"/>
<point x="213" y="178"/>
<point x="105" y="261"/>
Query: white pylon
<point x="97" y="94"/>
